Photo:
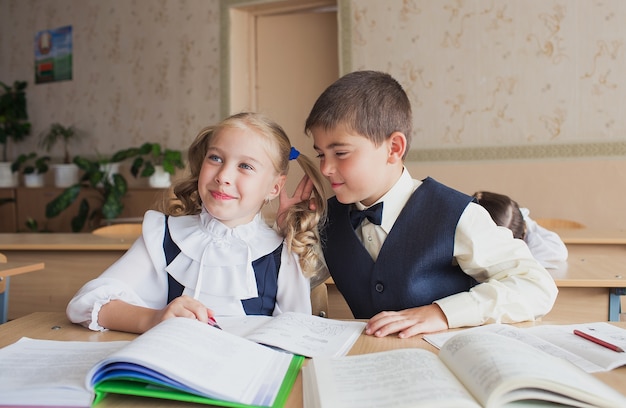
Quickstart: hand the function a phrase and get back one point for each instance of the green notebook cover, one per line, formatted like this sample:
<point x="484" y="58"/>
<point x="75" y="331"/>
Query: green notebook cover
<point x="130" y="386"/>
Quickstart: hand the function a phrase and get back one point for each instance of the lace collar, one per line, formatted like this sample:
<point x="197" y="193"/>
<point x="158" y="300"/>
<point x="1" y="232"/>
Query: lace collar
<point x="217" y="260"/>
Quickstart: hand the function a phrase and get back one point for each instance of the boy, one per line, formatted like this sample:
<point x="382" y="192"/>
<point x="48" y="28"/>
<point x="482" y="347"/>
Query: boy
<point x="435" y="260"/>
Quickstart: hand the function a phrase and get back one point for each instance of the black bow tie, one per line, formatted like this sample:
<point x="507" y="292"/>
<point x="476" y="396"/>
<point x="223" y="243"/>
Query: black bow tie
<point x="374" y="214"/>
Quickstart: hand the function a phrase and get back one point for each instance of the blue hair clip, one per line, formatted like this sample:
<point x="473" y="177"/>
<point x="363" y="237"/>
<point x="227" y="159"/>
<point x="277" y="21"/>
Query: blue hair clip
<point x="293" y="153"/>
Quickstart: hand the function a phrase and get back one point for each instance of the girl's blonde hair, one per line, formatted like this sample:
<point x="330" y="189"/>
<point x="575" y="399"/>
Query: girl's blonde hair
<point x="301" y="224"/>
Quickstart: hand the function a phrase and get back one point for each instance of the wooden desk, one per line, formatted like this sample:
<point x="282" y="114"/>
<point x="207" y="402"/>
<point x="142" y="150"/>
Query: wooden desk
<point x="590" y="284"/>
<point x="62" y="241"/>
<point x="55" y="326"/>
<point x="16" y="268"/>
<point x="8" y="269"/>
<point x="71" y="260"/>
<point x="594" y="240"/>
<point x="591" y="236"/>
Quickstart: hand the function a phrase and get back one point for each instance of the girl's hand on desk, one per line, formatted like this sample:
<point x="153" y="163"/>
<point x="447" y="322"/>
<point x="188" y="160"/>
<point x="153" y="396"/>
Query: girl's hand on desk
<point x="408" y="323"/>
<point x="122" y="316"/>
<point x="185" y="306"/>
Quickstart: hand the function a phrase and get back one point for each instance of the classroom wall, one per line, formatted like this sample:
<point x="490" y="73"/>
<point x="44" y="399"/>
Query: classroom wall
<point x="590" y="191"/>
<point x="524" y="98"/>
<point x="520" y="97"/>
<point x="143" y="70"/>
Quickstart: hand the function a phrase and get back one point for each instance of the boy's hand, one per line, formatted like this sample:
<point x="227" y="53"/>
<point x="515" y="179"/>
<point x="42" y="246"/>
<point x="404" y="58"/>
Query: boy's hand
<point x="302" y="193"/>
<point x="408" y="323"/>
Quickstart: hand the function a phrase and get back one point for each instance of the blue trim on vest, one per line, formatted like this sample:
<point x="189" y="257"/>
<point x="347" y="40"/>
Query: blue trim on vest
<point x="265" y="270"/>
<point x="414" y="266"/>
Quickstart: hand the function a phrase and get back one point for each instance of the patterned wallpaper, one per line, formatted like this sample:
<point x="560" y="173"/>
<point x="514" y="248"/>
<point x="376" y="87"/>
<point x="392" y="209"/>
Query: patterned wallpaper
<point x="143" y="70"/>
<point x="500" y="79"/>
<point x="487" y="78"/>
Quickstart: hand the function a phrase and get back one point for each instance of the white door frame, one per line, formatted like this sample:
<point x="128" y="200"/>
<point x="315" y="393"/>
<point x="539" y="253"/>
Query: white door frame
<point x="237" y="26"/>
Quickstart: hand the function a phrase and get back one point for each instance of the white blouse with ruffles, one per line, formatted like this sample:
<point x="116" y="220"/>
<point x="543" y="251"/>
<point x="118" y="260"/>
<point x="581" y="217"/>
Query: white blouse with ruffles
<point x="545" y="245"/>
<point x="223" y="254"/>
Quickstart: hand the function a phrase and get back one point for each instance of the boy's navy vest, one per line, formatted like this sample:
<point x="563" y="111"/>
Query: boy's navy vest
<point x="414" y="266"/>
<point x="265" y="270"/>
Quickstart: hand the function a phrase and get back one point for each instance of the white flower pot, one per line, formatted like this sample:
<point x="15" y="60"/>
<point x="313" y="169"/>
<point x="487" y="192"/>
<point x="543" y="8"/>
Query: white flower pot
<point x="33" y="180"/>
<point x="7" y="177"/>
<point x="65" y="175"/>
<point x="160" y="178"/>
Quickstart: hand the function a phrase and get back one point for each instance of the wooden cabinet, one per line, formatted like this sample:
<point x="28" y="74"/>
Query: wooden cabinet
<point x="7" y="210"/>
<point x="31" y="203"/>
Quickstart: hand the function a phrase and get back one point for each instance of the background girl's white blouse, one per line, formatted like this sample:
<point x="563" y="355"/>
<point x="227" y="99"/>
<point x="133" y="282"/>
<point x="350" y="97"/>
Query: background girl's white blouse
<point x="546" y="246"/>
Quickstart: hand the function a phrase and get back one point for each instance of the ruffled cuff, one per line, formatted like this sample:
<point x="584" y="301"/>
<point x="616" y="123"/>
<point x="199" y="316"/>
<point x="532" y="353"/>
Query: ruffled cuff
<point x="86" y="304"/>
<point x="93" y="324"/>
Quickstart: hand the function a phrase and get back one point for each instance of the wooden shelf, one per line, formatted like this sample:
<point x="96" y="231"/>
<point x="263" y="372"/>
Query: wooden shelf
<point x="31" y="203"/>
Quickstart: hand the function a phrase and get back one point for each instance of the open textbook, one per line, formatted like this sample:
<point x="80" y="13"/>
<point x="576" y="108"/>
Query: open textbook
<point x="179" y="359"/>
<point x="472" y="370"/>
<point x="298" y="333"/>
<point x="559" y="341"/>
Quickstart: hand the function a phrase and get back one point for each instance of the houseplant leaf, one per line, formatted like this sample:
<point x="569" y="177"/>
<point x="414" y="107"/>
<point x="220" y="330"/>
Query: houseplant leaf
<point x="62" y="201"/>
<point x="78" y="221"/>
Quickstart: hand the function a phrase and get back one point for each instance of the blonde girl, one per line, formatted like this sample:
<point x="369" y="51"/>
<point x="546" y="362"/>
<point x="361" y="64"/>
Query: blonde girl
<point x="209" y="252"/>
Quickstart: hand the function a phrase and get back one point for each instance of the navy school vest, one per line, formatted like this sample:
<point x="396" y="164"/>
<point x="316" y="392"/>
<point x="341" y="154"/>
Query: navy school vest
<point x="414" y="266"/>
<point x="265" y="270"/>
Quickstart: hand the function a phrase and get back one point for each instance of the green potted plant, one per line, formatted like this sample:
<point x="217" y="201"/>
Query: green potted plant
<point x="14" y="125"/>
<point x="155" y="162"/>
<point x="106" y="189"/>
<point x="32" y="167"/>
<point x="66" y="173"/>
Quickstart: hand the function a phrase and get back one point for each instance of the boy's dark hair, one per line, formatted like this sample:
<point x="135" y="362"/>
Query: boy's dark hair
<point x="504" y="211"/>
<point x="370" y="103"/>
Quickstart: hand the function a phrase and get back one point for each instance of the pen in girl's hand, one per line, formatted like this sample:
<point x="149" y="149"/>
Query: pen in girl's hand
<point x="213" y="323"/>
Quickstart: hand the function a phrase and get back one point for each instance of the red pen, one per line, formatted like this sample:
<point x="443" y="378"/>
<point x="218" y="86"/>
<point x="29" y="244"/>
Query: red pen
<point x="213" y="323"/>
<point x="598" y="341"/>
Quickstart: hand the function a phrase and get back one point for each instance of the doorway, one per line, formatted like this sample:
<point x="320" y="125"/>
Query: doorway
<point x="282" y="56"/>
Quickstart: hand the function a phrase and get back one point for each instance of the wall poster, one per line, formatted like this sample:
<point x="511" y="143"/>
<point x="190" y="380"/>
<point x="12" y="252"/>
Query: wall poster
<point x="53" y="55"/>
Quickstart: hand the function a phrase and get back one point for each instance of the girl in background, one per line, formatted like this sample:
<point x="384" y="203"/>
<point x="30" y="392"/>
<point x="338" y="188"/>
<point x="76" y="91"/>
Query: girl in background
<point x="546" y="246"/>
